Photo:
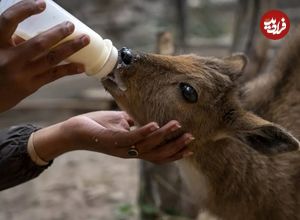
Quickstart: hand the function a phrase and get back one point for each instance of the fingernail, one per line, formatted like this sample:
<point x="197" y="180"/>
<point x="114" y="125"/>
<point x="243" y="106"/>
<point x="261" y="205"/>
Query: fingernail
<point x="175" y="127"/>
<point x="40" y="4"/>
<point x="80" y="69"/>
<point x="188" y="154"/>
<point x="189" y="140"/>
<point x="154" y="127"/>
<point x="70" y="26"/>
<point x="85" y="40"/>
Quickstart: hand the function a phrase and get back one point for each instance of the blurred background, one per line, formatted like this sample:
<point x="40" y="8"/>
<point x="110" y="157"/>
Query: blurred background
<point x="82" y="185"/>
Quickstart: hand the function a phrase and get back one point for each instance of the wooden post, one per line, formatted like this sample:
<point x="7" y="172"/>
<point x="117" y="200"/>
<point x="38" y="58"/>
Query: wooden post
<point x="181" y="6"/>
<point x="165" y="43"/>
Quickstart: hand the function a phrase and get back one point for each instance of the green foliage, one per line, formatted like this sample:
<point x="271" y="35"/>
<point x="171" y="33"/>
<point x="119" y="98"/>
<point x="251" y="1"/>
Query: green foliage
<point x="125" y="211"/>
<point x="149" y="209"/>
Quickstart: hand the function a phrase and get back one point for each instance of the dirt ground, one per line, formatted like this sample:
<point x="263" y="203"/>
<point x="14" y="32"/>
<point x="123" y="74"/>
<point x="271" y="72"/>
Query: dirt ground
<point x="79" y="185"/>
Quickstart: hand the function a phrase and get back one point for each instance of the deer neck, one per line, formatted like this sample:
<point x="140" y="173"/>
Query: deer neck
<point x="223" y="176"/>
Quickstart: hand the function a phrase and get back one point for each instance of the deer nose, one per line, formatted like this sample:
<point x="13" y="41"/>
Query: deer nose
<point x="126" y="55"/>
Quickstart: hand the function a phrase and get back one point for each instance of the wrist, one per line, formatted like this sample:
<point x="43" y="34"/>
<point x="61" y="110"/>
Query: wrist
<point x="32" y="152"/>
<point x="51" y="142"/>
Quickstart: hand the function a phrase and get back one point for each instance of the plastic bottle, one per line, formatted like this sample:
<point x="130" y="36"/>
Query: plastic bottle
<point x="99" y="57"/>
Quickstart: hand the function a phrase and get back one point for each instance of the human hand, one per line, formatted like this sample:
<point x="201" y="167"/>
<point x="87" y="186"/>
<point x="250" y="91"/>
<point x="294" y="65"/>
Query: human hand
<point x="25" y="66"/>
<point x="109" y="132"/>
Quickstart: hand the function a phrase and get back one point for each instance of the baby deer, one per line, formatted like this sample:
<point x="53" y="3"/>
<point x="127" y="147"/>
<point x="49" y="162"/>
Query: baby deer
<point x="243" y="167"/>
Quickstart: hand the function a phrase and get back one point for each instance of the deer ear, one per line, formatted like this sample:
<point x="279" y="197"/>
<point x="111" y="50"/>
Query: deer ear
<point x="235" y="65"/>
<point x="269" y="139"/>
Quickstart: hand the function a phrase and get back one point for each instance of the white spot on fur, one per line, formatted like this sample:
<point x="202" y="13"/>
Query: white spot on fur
<point x="196" y="181"/>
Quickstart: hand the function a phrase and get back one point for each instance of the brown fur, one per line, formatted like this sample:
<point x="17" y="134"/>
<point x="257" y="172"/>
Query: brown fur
<point x="236" y="152"/>
<point x="275" y="94"/>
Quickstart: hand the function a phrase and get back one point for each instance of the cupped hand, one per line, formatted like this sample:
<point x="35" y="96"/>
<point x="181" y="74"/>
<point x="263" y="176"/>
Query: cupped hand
<point x="25" y="66"/>
<point x="109" y="132"/>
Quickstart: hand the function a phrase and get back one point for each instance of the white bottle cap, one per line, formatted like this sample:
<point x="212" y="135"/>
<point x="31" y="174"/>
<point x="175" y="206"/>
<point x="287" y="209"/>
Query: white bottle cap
<point x="109" y="63"/>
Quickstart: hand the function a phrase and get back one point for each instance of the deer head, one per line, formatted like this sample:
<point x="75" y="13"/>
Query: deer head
<point x="199" y="92"/>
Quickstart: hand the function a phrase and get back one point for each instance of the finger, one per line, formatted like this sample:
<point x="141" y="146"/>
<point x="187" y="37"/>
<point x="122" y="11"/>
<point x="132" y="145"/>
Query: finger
<point x="45" y="41"/>
<point x="158" y="137"/>
<point x="59" y="54"/>
<point x="171" y="149"/>
<point x="167" y="153"/>
<point x="10" y="18"/>
<point x="58" y="72"/>
<point x="127" y="139"/>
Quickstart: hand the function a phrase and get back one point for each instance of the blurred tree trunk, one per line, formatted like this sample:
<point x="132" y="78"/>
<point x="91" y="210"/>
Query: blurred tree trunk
<point x="181" y="7"/>
<point x="248" y="37"/>
<point x="162" y="190"/>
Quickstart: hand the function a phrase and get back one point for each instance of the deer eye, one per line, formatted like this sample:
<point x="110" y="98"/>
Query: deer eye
<point x="188" y="92"/>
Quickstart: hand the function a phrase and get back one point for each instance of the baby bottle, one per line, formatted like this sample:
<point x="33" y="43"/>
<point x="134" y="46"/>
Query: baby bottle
<point x="99" y="57"/>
